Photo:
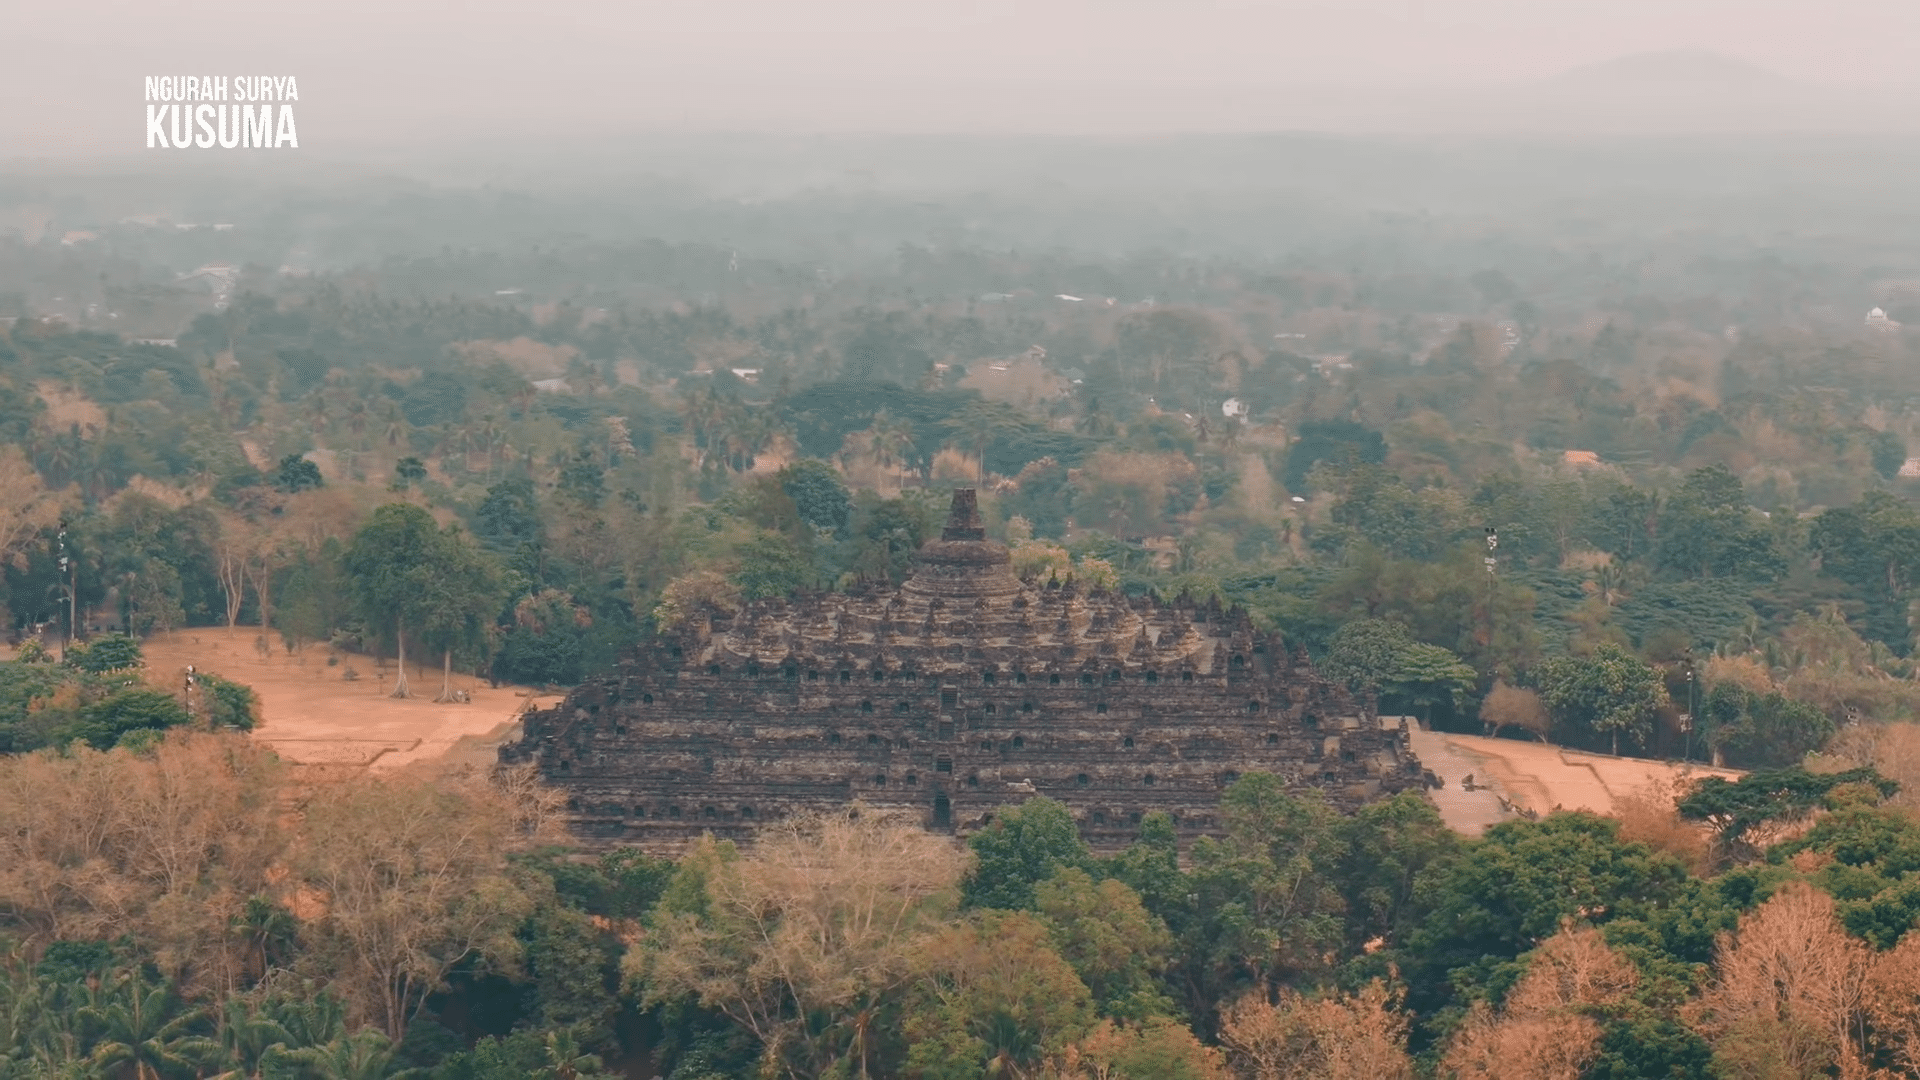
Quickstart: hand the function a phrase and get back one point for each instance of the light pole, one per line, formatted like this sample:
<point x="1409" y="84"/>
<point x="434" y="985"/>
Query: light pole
<point x="1492" y="561"/>
<point x="70" y="582"/>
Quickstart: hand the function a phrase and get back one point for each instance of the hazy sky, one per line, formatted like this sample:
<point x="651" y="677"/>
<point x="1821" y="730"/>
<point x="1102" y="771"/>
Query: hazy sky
<point x="418" y="69"/>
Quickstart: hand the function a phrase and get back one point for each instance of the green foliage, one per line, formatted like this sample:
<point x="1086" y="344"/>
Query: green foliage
<point x="1761" y="730"/>
<point x="1266" y="903"/>
<point x="296" y="473"/>
<point x="509" y="517"/>
<point x="818" y="494"/>
<point x="1604" y="695"/>
<point x="1508" y="893"/>
<point x="1342" y="444"/>
<point x="1735" y="808"/>
<point x="1114" y="944"/>
<point x="228" y="704"/>
<point x="1381" y="656"/>
<point x="1706" y="612"/>
<point x="106" y="722"/>
<point x="108" y="652"/>
<point x="1707" y="530"/>
<point x="771" y="565"/>
<point x="409" y="575"/>
<point x="1022" y="847"/>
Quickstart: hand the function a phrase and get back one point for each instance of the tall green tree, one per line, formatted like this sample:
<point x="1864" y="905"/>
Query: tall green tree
<point x="408" y="574"/>
<point x="1607" y="694"/>
<point x="1021" y="848"/>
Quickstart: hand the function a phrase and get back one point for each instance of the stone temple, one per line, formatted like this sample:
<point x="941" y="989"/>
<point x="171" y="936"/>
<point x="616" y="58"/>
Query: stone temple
<point x="963" y="691"/>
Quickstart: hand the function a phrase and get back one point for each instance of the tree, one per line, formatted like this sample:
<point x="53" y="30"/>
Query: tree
<point x="296" y="473"/>
<point x="1360" y="1036"/>
<point x="1513" y="706"/>
<point x="818" y="494"/>
<point x="142" y="1025"/>
<point x="770" y="565"/>
<point x="805" y="940"/>
<point x="1761" y="730"/>
<point x="1787" y="993"/>
<point x="991" y="998"/>
<point x="1545" y="1031"/>
<point x="1158" y="1049"/>
<point x="1707" y="530"/>
<point x="460" y="593"/>
<point x="409" y="472"/>
<point x="1114" y="944"/>
<point x="1021" y="848"/>
<point x="1342" y="444"/>
<point x="1388" y="851"/>
<point x="410" y="575"/>
<point x="411" y="874"/>
<point x="1266" y="906"/>
<point x="105" y="653"/>
<point x="1381" y="656"/>
<point x="26" y="506"/>
<point x="1515" y="889"/>
<point x="1607" y="693"/>
<point x="1743" y="813"/>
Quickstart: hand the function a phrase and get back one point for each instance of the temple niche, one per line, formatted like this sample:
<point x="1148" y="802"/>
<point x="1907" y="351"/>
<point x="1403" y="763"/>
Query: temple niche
<point x="963" y="691"/>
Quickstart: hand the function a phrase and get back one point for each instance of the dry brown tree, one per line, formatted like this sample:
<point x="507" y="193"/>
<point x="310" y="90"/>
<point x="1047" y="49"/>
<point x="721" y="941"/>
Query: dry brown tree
<point x="1650" y="815"/>
<point x="1545" y="1030"/>
<point x="168" y="846"/>
<point x="823" y="916"/>
<point x="1788" y="991"/>
<point x="26" y="506"/>
<point x="406" y="878"/>
<point x="1359" y="1036"/>
<point x="1514" y="706"/>
<point x="1892" y="1001"/>
<point x="1160" y="1049"/>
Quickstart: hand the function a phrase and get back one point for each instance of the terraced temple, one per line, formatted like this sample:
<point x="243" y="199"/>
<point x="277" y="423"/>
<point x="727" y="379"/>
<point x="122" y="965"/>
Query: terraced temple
<point x="961" y="692"/>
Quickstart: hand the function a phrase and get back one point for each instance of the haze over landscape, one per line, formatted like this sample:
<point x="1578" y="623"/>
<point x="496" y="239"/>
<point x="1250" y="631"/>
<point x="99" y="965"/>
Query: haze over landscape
<point x="1040" y="539"/>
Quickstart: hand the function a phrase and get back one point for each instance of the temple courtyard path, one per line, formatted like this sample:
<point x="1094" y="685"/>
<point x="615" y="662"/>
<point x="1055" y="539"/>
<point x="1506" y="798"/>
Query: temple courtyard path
<point x="313" y="714"/>
<point x="1532" y="776"/>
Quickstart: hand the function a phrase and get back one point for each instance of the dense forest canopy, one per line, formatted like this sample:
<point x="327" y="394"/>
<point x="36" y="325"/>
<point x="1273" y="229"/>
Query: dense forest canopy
<point x="1612" y="457"/>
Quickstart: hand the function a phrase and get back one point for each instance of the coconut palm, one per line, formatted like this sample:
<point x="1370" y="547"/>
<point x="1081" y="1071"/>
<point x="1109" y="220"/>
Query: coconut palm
<point x="142" y="1025"/>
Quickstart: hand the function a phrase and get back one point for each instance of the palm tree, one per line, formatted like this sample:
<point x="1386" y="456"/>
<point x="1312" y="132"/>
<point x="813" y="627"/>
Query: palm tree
<point x="565" y="1059"/>
<point x="317" y="414"/>
<point x="269" y="930"/>
<point x="251" y="1041"/>
<point x="393" y="422"/>
<point x="981" y="421"/>
<point x="142" y="1025"/>
<point x="365" y="1055"/>
<point x="891" y="440"/>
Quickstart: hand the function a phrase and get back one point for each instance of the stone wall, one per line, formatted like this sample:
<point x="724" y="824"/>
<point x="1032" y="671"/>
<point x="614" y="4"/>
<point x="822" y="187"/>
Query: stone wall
<point x="961" y="693"/>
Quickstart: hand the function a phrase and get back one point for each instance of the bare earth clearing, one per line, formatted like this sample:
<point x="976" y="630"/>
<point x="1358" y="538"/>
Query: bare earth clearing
<point x="1533" y="775"/>
<point x="312" y="715"/>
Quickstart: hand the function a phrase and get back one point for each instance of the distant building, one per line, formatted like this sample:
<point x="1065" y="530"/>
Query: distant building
<point x="1581" y="459"/>
<point x="1233" y="407"/>
<point x="1878" y="320"/>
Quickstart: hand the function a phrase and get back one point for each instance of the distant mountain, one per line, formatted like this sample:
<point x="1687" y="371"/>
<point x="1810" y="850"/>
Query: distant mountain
<point x="1690" y="69"/>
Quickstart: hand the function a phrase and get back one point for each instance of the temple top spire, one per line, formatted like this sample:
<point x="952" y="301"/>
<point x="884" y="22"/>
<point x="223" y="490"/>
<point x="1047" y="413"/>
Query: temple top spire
<point x="963" y="519"/>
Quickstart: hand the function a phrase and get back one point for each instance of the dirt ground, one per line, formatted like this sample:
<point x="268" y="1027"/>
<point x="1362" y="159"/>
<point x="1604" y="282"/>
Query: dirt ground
<point x="312" y="714"/>
<point x="1534" y="776"/>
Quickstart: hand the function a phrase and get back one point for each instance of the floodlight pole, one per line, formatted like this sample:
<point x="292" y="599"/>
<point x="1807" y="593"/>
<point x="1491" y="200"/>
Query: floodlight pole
<point x="70" y="581"/>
